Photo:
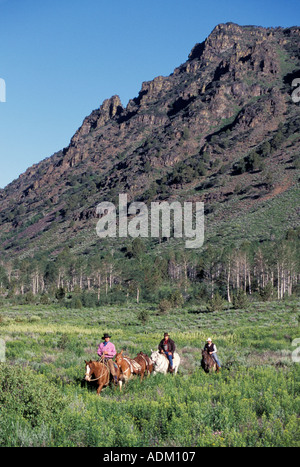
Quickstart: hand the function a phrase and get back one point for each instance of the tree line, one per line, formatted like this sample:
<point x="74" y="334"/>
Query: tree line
<point x="268" y="270"/>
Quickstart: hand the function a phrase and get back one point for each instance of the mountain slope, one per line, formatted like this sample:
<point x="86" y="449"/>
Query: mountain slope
<point x="222" y="129"/>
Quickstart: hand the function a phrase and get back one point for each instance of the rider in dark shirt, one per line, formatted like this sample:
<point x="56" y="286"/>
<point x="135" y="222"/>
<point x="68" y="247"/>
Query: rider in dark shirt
<point x="167" y="346"/>
<point x="212" y="350"/>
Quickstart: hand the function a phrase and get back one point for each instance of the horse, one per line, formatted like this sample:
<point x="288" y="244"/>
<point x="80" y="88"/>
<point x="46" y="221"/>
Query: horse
<point x="145" y="362"/>
<point x="101" y="373"/>
<point x="161" y="362"/>
<point x="208" y="363"/>
<point x="129" y="366"/>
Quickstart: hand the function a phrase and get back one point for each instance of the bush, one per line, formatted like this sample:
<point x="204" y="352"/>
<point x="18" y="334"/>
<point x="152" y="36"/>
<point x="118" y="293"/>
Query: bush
<point x="44" y="300"/>
<point x="143" y="316"/>
<point x="296" y="161"/>
<point x="88" y="300"/>
<point x="216" y="303"/>
<point x="78" y="304"/>
<point x="29" y="395"/>
<point x="176" y="299"/>
<point x="239" y="167"/>
<point x="34" y="319"/>
<point x="277" y="140"/>
<point x="29" y="297"/>
<point x="60" y="294"/>
<point x="164" y="306"/>
<point x="267" y="292"/>
<point x="240" y="300"/>
<point x="269" y="180"/>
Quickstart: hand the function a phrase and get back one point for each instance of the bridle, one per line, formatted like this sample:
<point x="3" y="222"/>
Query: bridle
<point x="95" y="379"/>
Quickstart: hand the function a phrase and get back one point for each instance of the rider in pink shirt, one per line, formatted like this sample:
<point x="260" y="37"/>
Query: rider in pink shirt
<point x="106" y="349"/>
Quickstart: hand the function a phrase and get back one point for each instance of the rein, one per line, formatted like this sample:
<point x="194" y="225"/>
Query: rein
<point x="95" y="379"/>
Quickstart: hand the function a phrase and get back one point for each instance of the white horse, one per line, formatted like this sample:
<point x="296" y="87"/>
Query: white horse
<point x="161" y="362"/>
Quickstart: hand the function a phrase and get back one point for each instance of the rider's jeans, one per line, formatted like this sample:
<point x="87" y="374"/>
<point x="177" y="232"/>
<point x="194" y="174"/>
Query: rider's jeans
<point x="170" y="359"/>
<point x="215" y="357"/>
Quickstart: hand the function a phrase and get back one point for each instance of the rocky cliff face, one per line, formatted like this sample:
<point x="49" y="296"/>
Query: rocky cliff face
<point x="232" y="95"/>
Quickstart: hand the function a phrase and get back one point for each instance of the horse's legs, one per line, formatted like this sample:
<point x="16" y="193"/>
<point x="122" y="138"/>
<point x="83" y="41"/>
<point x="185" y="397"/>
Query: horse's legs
<point x="99" y="389"/>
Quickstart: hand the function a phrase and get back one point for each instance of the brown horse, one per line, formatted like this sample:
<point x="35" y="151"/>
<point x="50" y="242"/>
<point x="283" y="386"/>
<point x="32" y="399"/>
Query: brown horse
<point x="100" y="372"/>
<point x="208" y="363"/>
<point x="145" y="362"/>
<point x="129" y="366"/>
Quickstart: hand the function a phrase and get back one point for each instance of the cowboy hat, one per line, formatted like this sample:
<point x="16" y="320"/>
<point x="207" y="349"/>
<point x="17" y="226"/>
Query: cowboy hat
<point x="105" y="336"/>
<point x="208" y="340"/>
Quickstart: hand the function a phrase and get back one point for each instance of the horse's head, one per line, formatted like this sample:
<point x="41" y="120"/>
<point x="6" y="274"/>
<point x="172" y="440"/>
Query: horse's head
<point x="154" y="356"/>
<point x="206" y="360"/>
<point x="89" y="368"/>
<point x="119" y="357"/>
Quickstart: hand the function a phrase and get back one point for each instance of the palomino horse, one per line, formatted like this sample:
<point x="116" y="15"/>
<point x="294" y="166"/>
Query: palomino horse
<point x="99" y="371"/>
<point x="145" y="362"/>
<point x="128" y="366"/>
<point x="208" y="363"/>
<point x="161" y="362"/>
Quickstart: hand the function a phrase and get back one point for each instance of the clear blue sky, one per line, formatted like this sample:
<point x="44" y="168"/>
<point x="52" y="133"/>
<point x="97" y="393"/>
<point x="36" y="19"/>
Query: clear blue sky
<point x="61" y="58"/>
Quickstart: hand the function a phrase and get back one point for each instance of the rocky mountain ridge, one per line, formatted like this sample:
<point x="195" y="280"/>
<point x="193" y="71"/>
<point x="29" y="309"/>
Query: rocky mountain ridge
<point x="185" y="136"/>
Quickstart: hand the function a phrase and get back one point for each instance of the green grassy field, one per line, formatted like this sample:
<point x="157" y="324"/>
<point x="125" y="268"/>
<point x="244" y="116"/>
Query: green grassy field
<point x="253" y="401"/>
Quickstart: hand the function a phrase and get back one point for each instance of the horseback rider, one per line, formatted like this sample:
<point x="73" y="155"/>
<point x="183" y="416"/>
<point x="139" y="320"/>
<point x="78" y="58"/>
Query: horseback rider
<point x="107" y="351"/>
<point x="167" y="346"/>
<point x="211" y="348"/>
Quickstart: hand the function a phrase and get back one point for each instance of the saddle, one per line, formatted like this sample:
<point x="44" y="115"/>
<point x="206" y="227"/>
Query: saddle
<point x="146" y="360"/>
<point x="134" y="366"/>
<point x="106" y="363"/>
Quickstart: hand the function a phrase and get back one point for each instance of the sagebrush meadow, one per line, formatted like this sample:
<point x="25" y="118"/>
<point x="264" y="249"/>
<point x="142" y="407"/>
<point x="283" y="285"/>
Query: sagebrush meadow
<point x="253" y="401"/>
